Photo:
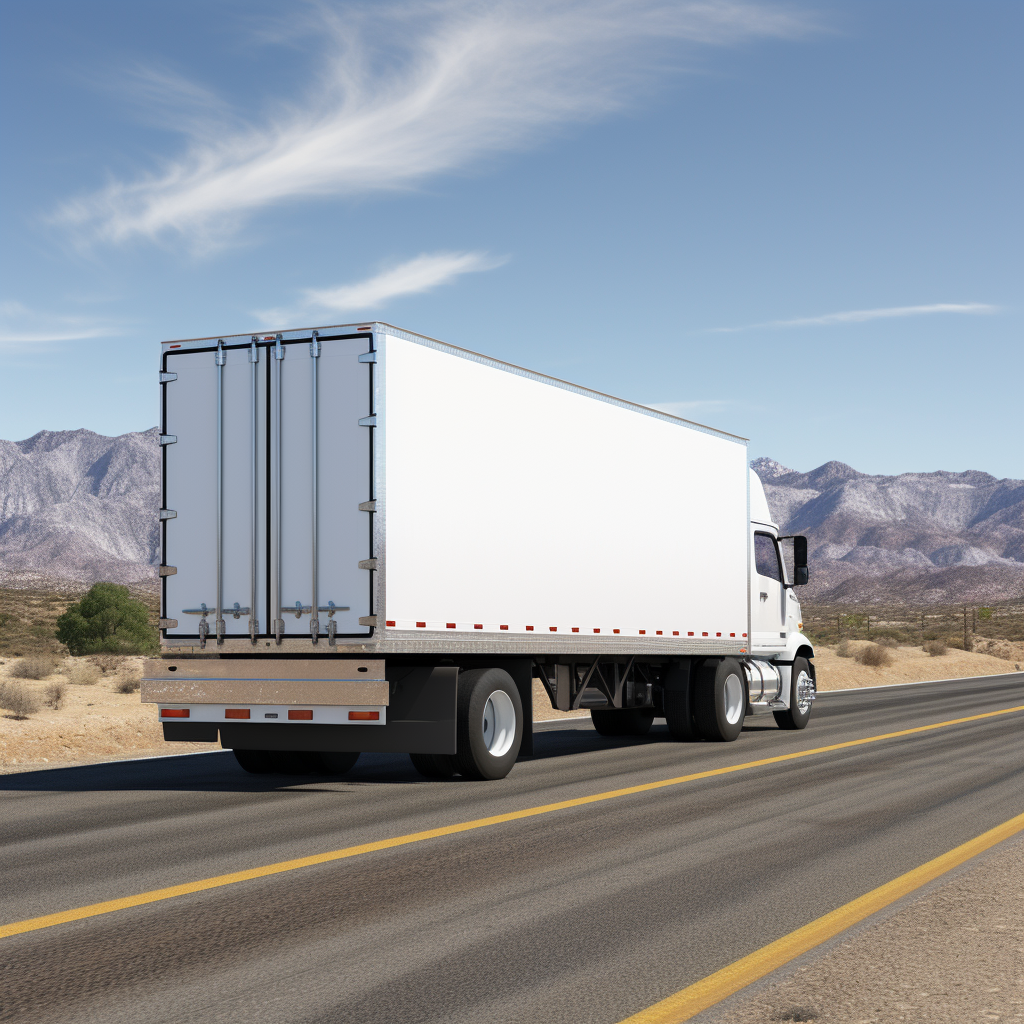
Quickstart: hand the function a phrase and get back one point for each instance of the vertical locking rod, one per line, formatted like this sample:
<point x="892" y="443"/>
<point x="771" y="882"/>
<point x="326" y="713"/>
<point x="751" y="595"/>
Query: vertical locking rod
<point x="276" y="525"/>
<point x="254" y="359"/>
<point x="220" y="357"/>
<point x="314" y="619"/>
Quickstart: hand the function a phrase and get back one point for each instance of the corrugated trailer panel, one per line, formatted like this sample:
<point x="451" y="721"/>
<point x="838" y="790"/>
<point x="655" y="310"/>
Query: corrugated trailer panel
<point x="518" y="506"/>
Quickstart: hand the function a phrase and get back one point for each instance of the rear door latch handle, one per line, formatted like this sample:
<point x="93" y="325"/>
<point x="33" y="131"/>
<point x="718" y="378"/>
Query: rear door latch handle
<point x="764" y="596"/>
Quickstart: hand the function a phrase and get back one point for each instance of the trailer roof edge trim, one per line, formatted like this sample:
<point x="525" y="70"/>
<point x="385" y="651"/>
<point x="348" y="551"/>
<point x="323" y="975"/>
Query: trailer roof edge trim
<point x="380" y="326"/>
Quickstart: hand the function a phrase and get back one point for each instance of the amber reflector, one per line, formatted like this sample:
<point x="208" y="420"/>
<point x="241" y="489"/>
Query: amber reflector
<point x="300" y="716"/>
<point x="174" y="713"/>
<point x="236" y="712"/>
<point x="364" y="716"/>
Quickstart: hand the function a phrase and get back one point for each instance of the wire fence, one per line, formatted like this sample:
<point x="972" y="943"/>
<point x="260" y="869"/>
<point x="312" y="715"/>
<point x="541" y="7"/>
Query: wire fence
<point x="958" y="626"/>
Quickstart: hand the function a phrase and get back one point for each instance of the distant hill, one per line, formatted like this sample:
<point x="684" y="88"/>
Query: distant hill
<point x="76" y="507"/>
<point x="922" y="538"/>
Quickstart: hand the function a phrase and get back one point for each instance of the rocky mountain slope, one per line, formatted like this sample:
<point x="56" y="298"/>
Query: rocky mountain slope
<point x="76" y="507"/>
<point x="918" y="537"/>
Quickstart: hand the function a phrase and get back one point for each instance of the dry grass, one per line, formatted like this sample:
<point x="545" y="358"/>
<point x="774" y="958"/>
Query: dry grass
<point x="844" y="650"/>
<point x="81" y="672"/>
<point x="18" y="699"/>
<point x="38" y="667"/>
<point x="54" y="694"/>
<point x="935" y="648"/>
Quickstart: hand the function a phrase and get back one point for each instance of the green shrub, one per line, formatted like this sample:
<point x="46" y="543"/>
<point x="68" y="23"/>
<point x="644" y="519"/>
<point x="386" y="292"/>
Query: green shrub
<point x="16" y="699"/>
<point x="108" y="619"/>
<point x="983" y="613"/>
<point x="34" y="668"/>
<point x="875" y="656"/>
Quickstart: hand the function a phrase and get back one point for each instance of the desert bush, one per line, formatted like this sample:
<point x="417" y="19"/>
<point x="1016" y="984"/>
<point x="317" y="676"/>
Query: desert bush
<point x="54" y="694"/>
<point x="935" y="648"/>
<point x="875" y="656"/>
<point x="107" y="662"/>
<point x="34" y="668"/>
<point x="108" y="620"/>
<point x="956" y="643"/>
<point x="82" y="673"/>
<point x="129" y="679"/>
<point x="887" y="641"/>
<point x="15" y="698"/>
<point x="843" y="650"/>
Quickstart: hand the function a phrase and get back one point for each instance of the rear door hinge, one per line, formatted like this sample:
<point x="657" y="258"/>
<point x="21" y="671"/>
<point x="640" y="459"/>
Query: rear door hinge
<point x="367" y="357"/>
<point x="168" y="513"/>
<point x="367" y="620"/>
<point x="168" y="623"/>
<point x="368" y="506"/>
<point x="368" y="421"/>
<point x="168" y="438"/>
<point x="368" y="563"/>
<point x="168" y="570"/>
<point x="166" y="378"/>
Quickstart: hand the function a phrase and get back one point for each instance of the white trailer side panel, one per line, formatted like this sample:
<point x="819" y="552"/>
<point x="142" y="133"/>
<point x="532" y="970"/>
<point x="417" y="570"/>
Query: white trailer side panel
<point x="511" y="501"/>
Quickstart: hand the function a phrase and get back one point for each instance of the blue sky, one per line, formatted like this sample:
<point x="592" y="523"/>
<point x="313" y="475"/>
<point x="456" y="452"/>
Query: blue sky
<point x="797" y="222"/>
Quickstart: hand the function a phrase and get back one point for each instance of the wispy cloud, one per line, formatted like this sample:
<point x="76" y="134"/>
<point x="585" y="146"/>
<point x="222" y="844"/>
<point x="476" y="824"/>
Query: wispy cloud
<point x="856" y="316"/>
<point x="421" y="274"/>
<point x="23" y="329"/>
<point x="404" y="91"/>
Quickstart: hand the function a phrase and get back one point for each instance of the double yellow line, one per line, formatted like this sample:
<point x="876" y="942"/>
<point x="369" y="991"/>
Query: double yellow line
<point x="798" y="941"/>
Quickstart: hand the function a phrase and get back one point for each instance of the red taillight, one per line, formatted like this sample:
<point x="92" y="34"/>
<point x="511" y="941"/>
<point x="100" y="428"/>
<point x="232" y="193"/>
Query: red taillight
<point x="174" y="713"/>
<point x="364" y="716"/>
<point x="300" y="716"/>
<point x="236" y="712"/>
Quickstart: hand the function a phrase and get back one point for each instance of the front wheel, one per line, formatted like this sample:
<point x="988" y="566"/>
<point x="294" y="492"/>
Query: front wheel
<point x="801" y="694"/>
<point x="490" y="724"/>
<point x="720" y="700"/>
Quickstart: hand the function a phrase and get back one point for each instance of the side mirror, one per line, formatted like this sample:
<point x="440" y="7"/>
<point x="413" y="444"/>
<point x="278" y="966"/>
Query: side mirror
<point x="800" y="574"/>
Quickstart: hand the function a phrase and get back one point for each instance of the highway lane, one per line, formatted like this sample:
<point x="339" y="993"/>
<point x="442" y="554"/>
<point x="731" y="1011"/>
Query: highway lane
<point x="589" y="913"/>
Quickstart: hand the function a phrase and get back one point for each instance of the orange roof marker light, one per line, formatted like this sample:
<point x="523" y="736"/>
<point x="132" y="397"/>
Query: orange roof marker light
<point x="174" y="713"/>
<point x="300" y="716"/>
<point x="364" y="716"/>
<point x="236" y="712"/>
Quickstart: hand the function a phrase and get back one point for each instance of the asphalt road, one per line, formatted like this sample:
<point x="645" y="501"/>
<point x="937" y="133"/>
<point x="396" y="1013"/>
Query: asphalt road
<point x="586" y="914"/>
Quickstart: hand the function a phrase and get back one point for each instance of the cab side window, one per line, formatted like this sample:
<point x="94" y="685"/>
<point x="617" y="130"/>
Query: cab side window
<point x="766" y="557"/>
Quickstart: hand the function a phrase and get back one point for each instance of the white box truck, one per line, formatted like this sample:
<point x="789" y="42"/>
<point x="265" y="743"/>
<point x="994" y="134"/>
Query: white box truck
<point x="375" y="541"/>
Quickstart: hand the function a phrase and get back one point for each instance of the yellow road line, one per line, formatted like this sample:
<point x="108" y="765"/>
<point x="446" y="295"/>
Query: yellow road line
<point x="154" y="896"/>
<point x="690" y="1001"/>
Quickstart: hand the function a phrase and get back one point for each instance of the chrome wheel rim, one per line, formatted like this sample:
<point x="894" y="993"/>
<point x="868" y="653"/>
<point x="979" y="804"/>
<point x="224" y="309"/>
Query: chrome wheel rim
<point x="735" y="704"/>
<point x="499" y="723"/>
<point x="804" y="692"/>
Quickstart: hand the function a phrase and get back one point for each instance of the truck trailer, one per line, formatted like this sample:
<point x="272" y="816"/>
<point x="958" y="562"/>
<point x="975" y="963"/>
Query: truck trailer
<point x="374" y="541"/>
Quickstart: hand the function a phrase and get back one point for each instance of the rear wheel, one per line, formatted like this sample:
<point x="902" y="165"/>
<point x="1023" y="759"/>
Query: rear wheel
<point x="720" y="700"/>
<point x="490" y="724"/>
<point x="801" y="694"/>
<point x="256" y="762"/>
<point x="332" y="763"/>
<point x="434" y="766"/>
<point x="622" y="721"/>
<point x="677" y="691"/>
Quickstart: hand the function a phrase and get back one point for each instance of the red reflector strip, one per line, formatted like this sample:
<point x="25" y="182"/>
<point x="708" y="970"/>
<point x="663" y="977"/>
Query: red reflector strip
<point x="690" y="633"/>
<point x="236" y="713"/>
<point x="450" y="625"/>
<point x="175" y="346"/>
<point x="300" y="716"/>
<point x="364" y="716"/>
<point x="479" y="625"/>
<point x="529" y="629"/>
<point x="643" y="631"/>
<point x="675" y="632"/>
<point x="718" y="634"/>
<point x="575" y="629"/>
<point x="657" y="632"/>
<point x="421" y="625"/>
<point x="503" y="627"/>
<point x="615" y="631"/>
<point x="703" y="634"/>
<point x="597" y="631"/>
<point x="389" y="622"/>
<point x="732" y="634"/>
<point x="174" y="713"/>
<point x="744" y="634"/>
<point x="554" y="629"/>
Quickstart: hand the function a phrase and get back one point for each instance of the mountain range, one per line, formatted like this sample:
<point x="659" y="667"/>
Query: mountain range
<point x="76" y="507"/>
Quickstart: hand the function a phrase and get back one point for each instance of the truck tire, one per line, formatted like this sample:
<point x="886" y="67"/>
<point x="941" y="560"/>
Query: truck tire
<point x="720" y="700"/>
<point x="434" y="766"/>
<point x="622" y="721"/>
<point x="490" y="724"/>
<point x="677" y="695"/>
<point x="797" y="715"/>
<point x="256" y="762"/>
<point x="331" y="762"/>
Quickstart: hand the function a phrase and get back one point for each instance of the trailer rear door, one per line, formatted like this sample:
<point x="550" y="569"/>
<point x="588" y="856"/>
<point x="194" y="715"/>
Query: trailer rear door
<point x="265" y="466"/>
